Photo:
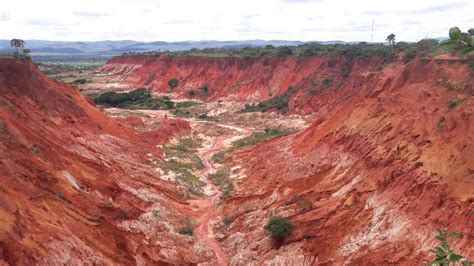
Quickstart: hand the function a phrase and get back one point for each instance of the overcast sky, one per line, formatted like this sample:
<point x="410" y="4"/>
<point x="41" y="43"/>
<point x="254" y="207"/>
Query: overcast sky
<point x="178" y="20"/>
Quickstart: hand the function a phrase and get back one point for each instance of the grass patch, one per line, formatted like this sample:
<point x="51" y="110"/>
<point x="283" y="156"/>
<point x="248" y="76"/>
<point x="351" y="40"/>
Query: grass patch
<point x="182" y="160"/>
<point x="186" y="104"/>
<point x="279" y="103"/>
<point x="221" y="178"/>
<point x="181" y="113"/>
<point x="79" y="81"/>
<point x="453" y="102"/>
<point x="206" y="117"/>
<point x="250" y="140"/>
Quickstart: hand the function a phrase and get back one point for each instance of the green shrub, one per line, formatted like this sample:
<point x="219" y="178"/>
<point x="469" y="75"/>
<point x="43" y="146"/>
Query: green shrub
<point x="221" y="179"/>
<point x="191" y="93"/>
<point x="284" y="51"/>
<point x="462" y="40"/>
<point x="408" y="56"/>
<point x="139" y="94"/>
<point x="345" y="72"/>
<point x="250" y="140"/>
<point x="181" y="113"/>
<point x="227" y="219"/>
<point x="306" y="204"/>
<point x="445" y="255"/>
<point x="173" y="83"/>
<point x="79" y="81"/>
<point x="204" y="87"/>
<point x="327" y="82"/>
<point x="279" y="103"/>
<point x="279" y="227"/>
<point x="186" y="230"/>
<point x="453" y="102"/>
<point x="114" y="99"/>
<point x="185" y="104"/>
<point x="379" y="67"/>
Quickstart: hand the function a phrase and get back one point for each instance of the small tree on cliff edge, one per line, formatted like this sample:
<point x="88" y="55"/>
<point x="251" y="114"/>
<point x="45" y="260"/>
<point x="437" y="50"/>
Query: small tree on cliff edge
<point x="17" y="44"/>
<point x="391" y="39"/>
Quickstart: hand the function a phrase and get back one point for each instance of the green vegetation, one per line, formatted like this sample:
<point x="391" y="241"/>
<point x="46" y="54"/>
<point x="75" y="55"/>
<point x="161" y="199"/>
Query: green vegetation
<point x="139" y="99"/>
<point x="345" y="72"/>
<point x="453" y="102"/>
<point x="279" y="103"/>
<point x="173" y="83"/>
<point x="17" y="44"/>
<point x="228" y="219"/>
<point x="79" y="81"/>
<point x="191" y="93"/>
<point x="470" y="61"/>
<point x="250" y="140"/>
<point x="50" y="68"/>
<point x="391" y="39"/>
<point x="379" y="67"/>
<point x="279" y="227"/>
<point x="221" y="179"/>
<point x="445" y="255"/>
<point x="186" y="104"/>
<point x="181" y="113"/>
<point x="182" y="159"/>
<point x="362" y="49"/>
<point x="204" y="88"/>
<point x="306" y="204"/>
<point x="186" y="230"/>
<point x="327" y="82"/>
<point x="460" y="40"/>
<point x="206" y="117"/>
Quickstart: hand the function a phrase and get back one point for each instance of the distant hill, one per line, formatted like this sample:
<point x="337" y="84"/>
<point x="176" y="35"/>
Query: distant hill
<point x="42" y="50"/>
<point x="77" y="51"/>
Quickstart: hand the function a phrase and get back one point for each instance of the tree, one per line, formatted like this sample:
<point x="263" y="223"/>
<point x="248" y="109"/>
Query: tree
<point x="17" y="44"/>
<point x="278" y="227"/>
<point x="284" y="51"/>
<point x="391" y="39"/>
<point x="465" y="40"/>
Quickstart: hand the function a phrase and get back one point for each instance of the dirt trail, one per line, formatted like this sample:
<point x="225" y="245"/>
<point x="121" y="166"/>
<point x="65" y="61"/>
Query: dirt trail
<point x="208" y="205"/>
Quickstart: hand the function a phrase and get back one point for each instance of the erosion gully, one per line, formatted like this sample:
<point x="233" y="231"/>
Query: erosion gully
<point x="208" y="205"/>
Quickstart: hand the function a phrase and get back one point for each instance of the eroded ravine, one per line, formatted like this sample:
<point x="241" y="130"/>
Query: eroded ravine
<point x="207" y="206"/>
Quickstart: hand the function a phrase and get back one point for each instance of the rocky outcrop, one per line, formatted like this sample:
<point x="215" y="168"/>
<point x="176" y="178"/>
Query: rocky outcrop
<point x="240" y="79"/>
<point x="75" y="185"/>
<point x="388" y="159"/>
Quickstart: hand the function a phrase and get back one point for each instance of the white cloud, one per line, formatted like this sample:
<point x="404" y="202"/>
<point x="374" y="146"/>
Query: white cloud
<point x="176" y="20"/>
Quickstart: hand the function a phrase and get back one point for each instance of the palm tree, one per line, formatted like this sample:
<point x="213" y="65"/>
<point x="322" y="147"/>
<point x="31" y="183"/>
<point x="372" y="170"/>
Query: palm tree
<point x="17" y="44"/>
<point x="391" y="39"/>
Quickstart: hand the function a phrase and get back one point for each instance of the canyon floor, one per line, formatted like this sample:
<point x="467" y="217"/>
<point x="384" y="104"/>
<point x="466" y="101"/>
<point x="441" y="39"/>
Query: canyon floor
<point x="365" y="157"/>
<point x="209" y="136"/>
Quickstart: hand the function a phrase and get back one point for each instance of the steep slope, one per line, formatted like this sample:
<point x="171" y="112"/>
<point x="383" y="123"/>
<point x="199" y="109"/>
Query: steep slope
<point x="75" y="185"/>
<point x="389" y="158"/>
<point x="236" y="78"/>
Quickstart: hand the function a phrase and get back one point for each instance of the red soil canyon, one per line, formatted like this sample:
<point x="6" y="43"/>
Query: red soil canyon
<point x="374" y="161"/>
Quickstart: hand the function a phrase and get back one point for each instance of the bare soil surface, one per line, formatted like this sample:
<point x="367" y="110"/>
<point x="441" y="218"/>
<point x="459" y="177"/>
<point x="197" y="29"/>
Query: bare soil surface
<point x="217" y="133"/>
